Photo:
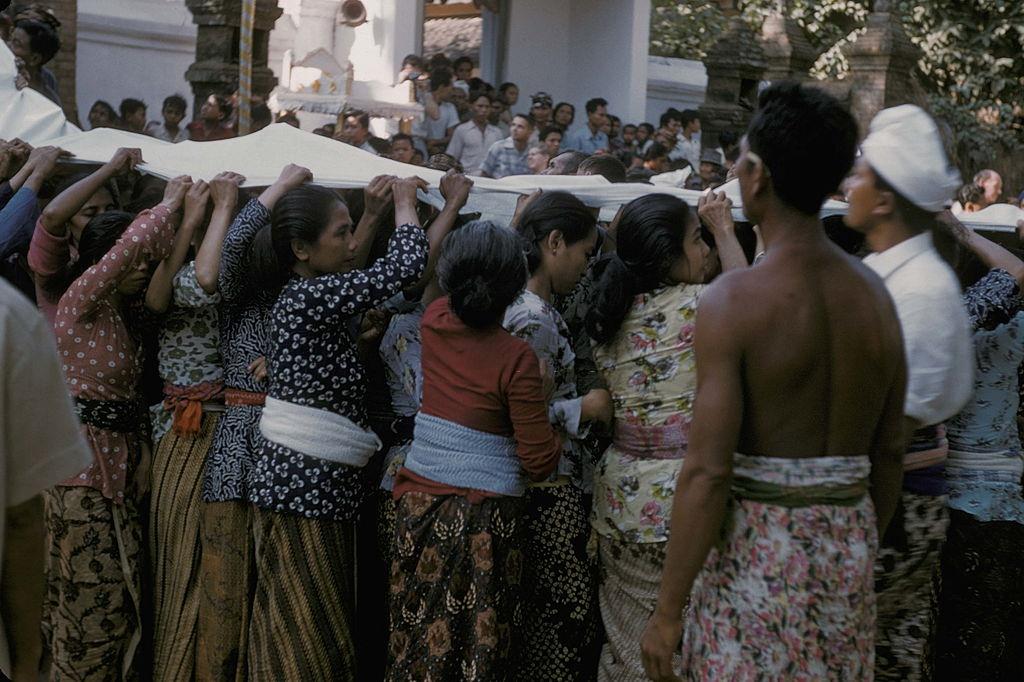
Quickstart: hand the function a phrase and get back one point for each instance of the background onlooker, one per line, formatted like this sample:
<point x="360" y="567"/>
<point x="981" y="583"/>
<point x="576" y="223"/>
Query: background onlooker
<point x="212" y="125"/>
<point x="170" y="129"/>
<point x="133" y="115"/>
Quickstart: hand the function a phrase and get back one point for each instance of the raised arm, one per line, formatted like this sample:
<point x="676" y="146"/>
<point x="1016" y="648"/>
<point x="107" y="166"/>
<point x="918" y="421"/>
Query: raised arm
<point x="715" y="211"/>
<point x="59" y="211"/>
<point x="455" y="189"/>
<point x="377" y="201"/>
<point x="161" y="285"/>
<point x="341" y="295"/>
<point x="148" y="238"/>
<point x="702" y="490"/>
<point x="233" y="280"/>
<point x="224" y="194"/>
<point x="17" y="218"/>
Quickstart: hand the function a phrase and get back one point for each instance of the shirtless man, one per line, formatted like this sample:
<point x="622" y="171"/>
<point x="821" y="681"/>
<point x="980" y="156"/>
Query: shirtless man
<point x="800" y="365"/>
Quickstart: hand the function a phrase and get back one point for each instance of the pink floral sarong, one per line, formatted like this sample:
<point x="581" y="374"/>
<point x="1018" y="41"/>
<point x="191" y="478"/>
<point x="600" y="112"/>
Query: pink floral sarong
<point x="788" y="592"/>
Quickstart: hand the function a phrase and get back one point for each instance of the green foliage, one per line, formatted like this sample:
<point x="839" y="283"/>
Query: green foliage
<point x="972" y="62"/>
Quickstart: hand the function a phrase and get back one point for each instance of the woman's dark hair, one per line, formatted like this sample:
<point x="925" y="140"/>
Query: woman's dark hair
<point x="605" y="165"/>
<point x="261" y="262"/>
<point x="482" y="269"/>
<point x="549" y="212"/>
<point x="649" y="240"/>
<point x="42" y="37"/>
<point x="303" y="214"/>
<point x="98" y="237"/>
<point x="554" y="112"/>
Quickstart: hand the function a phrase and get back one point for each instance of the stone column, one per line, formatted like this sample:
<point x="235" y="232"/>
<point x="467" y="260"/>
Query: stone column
<point x="786" y="49"/>
<point x="883" y="63"/>
<point x="735" y="67"/>
<point x="63" y="65"/>
<point x="215" y="70"/>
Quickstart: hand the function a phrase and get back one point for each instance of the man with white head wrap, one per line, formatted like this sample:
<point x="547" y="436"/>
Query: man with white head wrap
<point x="901" y="181"/>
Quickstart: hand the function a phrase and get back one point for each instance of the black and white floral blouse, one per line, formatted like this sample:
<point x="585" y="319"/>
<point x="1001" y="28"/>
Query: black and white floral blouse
<point x="244" y="337"/>
<point x="313" y="362"/>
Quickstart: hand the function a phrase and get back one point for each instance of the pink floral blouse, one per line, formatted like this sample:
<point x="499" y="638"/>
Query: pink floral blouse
<point x="99" y="356"/>
<point x="651" y="372"/>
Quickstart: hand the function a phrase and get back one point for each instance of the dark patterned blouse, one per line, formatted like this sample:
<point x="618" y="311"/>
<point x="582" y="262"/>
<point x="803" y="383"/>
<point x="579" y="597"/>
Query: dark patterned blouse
<point x="313" y="362"/>
<point x="244" y="337"/>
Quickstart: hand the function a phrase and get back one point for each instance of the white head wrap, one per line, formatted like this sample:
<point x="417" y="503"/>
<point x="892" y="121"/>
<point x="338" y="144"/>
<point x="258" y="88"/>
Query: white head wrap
<point x="904" y="148"/>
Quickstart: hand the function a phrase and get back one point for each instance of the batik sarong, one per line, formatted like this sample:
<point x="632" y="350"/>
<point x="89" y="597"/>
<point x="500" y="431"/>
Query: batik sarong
<point x="905" y="576"/>
<point x="561" y="616"/>
<point x="302" y="615"/>
<point x="980" y="629"/>
<point x="227" y="572"/>
<point x="175" y="547"/>
<point x="456" y="589"/>
<point x="630" y="579"/>
<point x="93" y="584"/>
<point x="787" y="593"/>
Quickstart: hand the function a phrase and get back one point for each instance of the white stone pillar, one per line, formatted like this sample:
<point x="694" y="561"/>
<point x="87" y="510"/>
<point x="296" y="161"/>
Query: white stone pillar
<point x="394" y="29"/>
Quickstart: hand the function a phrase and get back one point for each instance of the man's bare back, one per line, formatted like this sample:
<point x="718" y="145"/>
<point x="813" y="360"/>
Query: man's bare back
<point x="821" y="353"/>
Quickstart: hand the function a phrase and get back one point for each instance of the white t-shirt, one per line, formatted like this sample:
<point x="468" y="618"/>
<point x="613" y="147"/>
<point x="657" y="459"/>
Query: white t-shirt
<point x="437" y="129"/>
<point x="936" y="330"/>
<point x="41" y="441"/>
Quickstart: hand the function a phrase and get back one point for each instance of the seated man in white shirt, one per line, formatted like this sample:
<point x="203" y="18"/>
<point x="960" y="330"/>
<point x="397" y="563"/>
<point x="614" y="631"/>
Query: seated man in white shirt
<point x="471" y="140"/>
<point x="900" y="183"/>
<point x="41" y="444"/>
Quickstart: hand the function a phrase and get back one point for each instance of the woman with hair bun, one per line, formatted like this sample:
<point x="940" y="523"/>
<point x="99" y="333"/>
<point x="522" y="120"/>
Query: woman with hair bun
<point x="309" y="479"/>
<point x="642" y="313"/>
<point x="482" y="430"/>
<point x="559" y="235"/>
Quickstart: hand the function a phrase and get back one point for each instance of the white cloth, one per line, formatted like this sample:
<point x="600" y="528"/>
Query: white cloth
<point x="904" y="147"/>
<point x="470" y="144"/>
<point x="41" y="441"/>
<point x="25" y="113"/>
<point x="317" y="433"/>
<point x="936" y="331"/>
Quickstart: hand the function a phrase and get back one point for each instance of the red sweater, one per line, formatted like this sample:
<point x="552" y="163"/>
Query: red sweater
<point x="488" y="380"/>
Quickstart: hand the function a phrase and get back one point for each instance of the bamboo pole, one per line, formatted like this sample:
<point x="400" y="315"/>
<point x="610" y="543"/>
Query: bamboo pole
<point x="245" y="67"/>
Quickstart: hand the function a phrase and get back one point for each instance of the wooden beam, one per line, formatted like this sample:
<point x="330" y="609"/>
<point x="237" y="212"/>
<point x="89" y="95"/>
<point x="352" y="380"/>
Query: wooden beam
<point x="455" y="10"/>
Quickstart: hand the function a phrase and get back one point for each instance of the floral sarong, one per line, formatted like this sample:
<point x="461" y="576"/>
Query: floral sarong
<point x="788" y="592"/>
<point x="456" y="606"/>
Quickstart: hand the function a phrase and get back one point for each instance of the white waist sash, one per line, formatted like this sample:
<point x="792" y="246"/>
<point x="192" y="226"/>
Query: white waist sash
<point x="317" y="433"/>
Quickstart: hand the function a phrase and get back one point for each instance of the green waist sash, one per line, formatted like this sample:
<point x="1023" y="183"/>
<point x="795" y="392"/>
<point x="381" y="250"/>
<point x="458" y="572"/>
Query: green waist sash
<point x="838" y="495"/>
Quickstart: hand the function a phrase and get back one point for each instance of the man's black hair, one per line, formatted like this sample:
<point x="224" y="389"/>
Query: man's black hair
<point x="439" y="78"/>
<point x="176" y="102"/>
<point x="791" y="126"/>
<point x="670" y="115"/>
<point x="130" y="105"/>
<point x="593" y="104"/>
<point x="688" y="116"/>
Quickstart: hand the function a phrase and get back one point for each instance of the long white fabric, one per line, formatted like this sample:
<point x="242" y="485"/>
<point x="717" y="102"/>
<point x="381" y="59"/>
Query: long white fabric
<point x="260" y="157"/>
